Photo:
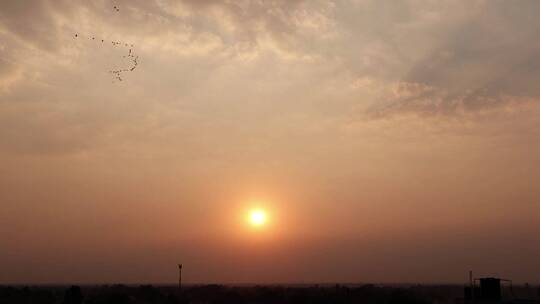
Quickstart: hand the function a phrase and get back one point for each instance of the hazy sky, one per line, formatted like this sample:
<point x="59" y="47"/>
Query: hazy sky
<point x="389" y="141"/>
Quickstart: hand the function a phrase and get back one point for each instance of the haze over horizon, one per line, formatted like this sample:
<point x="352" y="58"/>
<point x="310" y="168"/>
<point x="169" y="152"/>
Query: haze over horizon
<point x="385" y="141"/>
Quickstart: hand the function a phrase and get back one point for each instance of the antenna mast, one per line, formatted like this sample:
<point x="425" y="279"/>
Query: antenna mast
<point x="180" y="276"/>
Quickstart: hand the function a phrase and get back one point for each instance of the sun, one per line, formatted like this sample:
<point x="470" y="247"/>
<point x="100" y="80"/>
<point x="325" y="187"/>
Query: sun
<point x="257" y="217"/>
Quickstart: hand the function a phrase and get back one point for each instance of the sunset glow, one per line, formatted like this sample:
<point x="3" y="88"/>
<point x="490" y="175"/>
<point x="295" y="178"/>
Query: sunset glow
<point x="269" y="141"/>
<point x="257" y="217"/>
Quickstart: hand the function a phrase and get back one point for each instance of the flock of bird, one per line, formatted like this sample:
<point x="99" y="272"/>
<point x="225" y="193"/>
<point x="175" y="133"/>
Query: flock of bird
<point x="118" y="73"/>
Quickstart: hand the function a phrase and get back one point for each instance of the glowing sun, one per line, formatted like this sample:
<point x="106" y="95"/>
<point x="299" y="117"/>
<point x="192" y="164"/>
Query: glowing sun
<point x="257" y="217"/>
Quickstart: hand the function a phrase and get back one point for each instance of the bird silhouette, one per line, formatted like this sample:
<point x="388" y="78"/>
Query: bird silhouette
<point x="118" y="73"/>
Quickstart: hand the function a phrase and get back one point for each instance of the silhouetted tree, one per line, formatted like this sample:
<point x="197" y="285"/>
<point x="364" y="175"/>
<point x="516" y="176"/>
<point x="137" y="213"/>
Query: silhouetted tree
<point x="73" y="295"/>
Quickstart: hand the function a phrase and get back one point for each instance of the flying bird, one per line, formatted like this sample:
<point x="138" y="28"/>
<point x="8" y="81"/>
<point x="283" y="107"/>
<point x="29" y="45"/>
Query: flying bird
<point x="118" y="73"/>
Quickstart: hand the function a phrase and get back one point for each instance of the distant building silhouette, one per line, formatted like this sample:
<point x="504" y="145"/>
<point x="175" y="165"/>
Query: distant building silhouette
<point x="489" y="291"/>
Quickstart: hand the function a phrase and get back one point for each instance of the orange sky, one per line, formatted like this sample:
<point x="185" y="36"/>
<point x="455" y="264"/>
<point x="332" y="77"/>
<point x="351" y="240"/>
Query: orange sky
<point x="388" y="141"/>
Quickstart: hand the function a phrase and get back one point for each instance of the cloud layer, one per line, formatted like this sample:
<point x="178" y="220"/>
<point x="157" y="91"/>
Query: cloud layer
<point x="359" y="119"/>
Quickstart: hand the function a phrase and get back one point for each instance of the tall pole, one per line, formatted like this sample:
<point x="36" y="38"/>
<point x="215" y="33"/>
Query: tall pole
<point x="471" y="282"/>
<point x="180" y="276"/>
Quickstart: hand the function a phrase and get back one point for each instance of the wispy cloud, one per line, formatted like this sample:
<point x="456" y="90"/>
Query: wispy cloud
<point x="377" y="107"/>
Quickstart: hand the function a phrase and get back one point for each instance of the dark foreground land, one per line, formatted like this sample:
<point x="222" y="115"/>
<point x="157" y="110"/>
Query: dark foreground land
<point x="120" y="294"/>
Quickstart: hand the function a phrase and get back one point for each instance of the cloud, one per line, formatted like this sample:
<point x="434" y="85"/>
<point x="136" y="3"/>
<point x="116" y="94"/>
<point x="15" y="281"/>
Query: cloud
<point x="442" y="57"/>
<point x="378" y="107"/>
<point x="406" y="98"/>
<point x="215" y="28"/>
<point x="361" y="59"/>
<point x="494" y="50"/>
<point x="35" y="22"/>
